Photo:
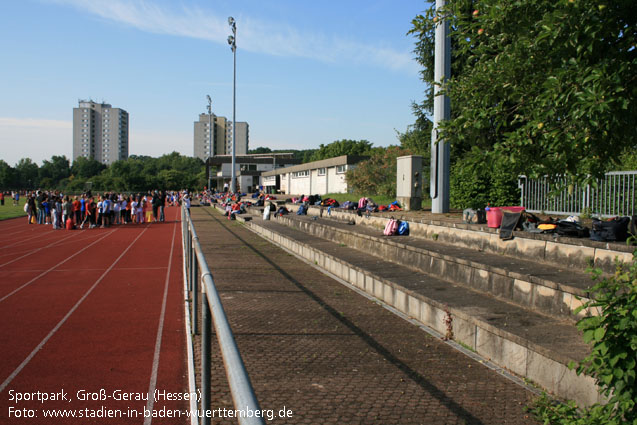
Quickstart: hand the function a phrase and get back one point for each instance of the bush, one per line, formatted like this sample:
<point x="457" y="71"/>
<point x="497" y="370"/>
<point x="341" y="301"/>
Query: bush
<point x="613" y="336"/>
<point x="377" y="175"/>
<point x="477" y="180"/>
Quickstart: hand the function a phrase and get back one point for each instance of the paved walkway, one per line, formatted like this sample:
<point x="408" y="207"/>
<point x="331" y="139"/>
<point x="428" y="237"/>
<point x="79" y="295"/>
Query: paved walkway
<point x="332" y="356"/>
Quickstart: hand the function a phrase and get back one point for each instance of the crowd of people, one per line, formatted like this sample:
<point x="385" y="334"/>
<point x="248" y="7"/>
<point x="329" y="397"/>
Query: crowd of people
<point x="101" y="210"/>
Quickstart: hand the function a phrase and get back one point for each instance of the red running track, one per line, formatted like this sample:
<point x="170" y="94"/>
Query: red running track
<point x="91" y="323"/>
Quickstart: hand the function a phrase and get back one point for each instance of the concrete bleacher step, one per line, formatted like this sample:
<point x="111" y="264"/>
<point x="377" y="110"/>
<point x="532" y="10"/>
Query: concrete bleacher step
<point x="573" y="253"/>
<point x="533" y="345"/>
<point x="549" y="289"/>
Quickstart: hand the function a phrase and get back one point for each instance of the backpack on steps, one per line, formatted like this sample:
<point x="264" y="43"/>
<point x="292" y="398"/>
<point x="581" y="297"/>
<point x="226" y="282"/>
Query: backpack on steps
<point x="403" y="228"/>
<point x="391" y="228"/>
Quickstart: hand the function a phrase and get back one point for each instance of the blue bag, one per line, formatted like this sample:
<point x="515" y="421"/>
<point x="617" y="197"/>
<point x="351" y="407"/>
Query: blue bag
<point x="403" y="228"/>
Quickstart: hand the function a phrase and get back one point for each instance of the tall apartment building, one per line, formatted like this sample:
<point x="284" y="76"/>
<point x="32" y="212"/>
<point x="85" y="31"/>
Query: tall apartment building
<point x="100" y="132"/>
<point x="218" y="135"/>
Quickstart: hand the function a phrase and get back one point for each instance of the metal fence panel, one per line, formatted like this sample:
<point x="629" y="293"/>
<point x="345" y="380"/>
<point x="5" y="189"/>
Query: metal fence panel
<point x="613" y="195"/>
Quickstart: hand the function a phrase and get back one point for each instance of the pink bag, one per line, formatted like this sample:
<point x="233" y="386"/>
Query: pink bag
<point x="391" y="228"/>
<point x="362" y="203"/>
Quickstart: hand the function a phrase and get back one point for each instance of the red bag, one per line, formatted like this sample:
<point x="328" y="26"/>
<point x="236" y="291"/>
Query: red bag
<point x="69" y="224"/>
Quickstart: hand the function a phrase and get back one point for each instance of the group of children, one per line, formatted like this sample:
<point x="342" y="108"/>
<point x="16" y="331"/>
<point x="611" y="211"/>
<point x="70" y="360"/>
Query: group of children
<point x="86" y="210"/>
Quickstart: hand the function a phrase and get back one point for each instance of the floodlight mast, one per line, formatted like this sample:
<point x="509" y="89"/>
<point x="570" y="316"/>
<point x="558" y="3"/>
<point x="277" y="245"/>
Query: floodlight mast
<point x="442" y="111"/>
<point x="232" y="41"/>
<point x="210" y="150"/>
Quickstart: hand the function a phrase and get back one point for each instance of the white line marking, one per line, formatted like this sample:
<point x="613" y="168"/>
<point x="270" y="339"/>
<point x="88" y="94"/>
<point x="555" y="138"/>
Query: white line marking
<point x="160" y="331"/>
<point x="65" y="318"/>
<point x="36" y="250"/>
<point x="54" y="267"/>
<point x="21" y="241"/>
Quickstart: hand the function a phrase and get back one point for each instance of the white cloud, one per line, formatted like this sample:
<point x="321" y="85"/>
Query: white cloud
<point x="253" y="35"/>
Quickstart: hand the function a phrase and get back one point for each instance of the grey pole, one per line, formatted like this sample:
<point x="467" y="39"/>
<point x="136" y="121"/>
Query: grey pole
<point x="210" y="153"/>
<point x="442" y="111"/>
<point x="232" y="40"/>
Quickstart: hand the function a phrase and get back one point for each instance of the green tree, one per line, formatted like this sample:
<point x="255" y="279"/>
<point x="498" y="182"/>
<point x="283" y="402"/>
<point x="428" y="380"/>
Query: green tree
<point x="28" y="174"/>
<point x="260" y="149"/>
<point x="377" y="175"/>
<point x="52" y="172"/>
<point x="342" y="147"/>
<point x="548" y="86"/>
<point x="7" y="176"/>
<point x="86" y="167"/>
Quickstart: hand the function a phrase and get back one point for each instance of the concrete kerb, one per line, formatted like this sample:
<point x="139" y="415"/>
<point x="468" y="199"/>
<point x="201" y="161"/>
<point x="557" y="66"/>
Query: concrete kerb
<point x="502" y="348"/>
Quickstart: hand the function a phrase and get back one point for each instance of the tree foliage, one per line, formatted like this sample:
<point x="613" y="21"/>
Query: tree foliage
<point x="547" y="85"/>
<point x="377" y="175"/>
<point x="342" y="147"/>
<point x="613" y="359"/>
<point x="137" y="173"/>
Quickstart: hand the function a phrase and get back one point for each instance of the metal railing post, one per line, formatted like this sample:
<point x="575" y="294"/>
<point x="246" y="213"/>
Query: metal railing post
<point x="212" y="314"/>
<point x="195" y="297"/>
<point x="206" y="340"/>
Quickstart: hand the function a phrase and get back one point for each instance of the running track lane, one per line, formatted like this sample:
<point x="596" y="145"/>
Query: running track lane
<point x="95" y="323"/>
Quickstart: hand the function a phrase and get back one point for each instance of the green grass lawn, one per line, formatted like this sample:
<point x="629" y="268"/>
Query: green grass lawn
<point x="9" y="211"/>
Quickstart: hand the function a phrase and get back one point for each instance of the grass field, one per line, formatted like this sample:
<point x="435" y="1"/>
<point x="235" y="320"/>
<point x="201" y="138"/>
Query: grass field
<point x="9" y="211"/>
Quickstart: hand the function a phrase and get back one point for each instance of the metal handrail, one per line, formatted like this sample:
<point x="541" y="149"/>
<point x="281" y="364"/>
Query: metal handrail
<point x="212" y="312"/>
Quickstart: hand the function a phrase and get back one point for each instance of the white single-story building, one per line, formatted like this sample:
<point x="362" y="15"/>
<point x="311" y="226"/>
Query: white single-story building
<point x="248" y="168"/>
<point x="312" y="178"/>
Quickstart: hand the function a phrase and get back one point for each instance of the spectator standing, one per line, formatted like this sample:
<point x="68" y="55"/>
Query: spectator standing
<point x="77" y="211"/>
<point x="31" y="208"/>
<point x="162" y="205"/>
<point x="155" y="204"/>
<point x="67" y="210"/>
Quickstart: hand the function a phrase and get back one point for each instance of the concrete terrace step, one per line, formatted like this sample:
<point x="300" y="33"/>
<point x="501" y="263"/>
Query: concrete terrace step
<point x="575" y="253"/>
<point x="530" y="344"/>
<point x="530" y="284"/>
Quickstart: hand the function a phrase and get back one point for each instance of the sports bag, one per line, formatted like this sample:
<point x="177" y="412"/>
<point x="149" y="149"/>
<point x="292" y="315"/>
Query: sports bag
<point x="391" y="228"/>
<point x="614" y="230"/>
<point x="266" y="212"/>
<point x="302" y="210"/>
<point x="403" y="228"/>
<point x="571" y="229"/>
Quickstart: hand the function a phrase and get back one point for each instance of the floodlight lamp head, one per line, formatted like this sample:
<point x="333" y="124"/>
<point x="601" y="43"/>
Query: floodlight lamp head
<point x="231" y="40"/>
<point x="231" y="22"/>
<point x="209" y="99"/>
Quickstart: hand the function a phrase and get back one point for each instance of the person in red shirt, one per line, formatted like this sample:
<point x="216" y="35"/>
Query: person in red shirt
<point x="77" y="211"/>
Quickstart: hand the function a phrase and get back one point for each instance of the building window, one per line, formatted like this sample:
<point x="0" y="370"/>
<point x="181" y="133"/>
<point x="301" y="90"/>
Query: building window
<point x="321" y="171"/>
<point x="298" y="174"/>
<point x="340" y="169"/>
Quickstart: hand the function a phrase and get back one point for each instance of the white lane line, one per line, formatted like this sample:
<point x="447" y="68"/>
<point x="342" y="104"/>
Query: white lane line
<point x="80" y="269"/>
<point x="54" y="267"/>
<point x="37" y="250"/>
<point x="160" y="331"/>
<point x="65" y="318"/>
<point x="21" y="241"/>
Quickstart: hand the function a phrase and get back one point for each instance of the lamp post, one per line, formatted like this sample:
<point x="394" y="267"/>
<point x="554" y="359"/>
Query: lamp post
<point x="210" y="152"/>
<point x="442" y="112"/>
<point x="232" y="41"/>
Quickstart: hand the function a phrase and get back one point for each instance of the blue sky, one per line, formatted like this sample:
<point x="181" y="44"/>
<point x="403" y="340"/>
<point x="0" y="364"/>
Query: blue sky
<point x="307" y="72"/>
